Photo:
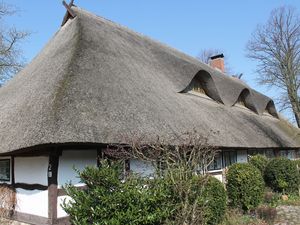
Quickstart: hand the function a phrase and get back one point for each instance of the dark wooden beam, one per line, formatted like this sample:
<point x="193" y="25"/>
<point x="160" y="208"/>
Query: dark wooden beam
<point x="52" y="185"/>
<point x="30" y="186"/>
<point x="68" y="7"/>
<point x="70" y="13"/>
<point x="29" y="218"/>
<point x="12" y="170"/>
<point x="63" y="221"/>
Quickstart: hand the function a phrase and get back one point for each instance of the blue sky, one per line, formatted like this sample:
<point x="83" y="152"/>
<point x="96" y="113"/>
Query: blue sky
<point x="188" y="26"/>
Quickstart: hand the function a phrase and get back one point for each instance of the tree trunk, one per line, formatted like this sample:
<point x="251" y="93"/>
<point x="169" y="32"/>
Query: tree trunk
<point x="297" y="117"/>
<point x="296" y="111"/>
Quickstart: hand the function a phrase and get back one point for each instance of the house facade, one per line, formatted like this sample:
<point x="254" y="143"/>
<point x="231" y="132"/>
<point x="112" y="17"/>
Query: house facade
<point x="96" y="82"/>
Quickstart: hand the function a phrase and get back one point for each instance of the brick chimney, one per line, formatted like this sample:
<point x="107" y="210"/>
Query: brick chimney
<point x="217" y="62"/>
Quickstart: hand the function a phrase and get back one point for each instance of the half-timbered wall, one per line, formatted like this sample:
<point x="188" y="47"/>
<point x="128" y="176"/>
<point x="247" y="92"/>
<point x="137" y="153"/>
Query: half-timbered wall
<point x="69" y="160"/>
<point x="31" y="173"/>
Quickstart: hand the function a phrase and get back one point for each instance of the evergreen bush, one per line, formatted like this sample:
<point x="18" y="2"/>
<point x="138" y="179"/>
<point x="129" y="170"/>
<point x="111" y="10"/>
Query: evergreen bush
<point x="281" y="175"/>
<point x="259" y="161"/>
<point x="245" y="186"/>
<point x="108" y="200"/>
<point x="138" y="201"/>
<point x="214" y="199"/>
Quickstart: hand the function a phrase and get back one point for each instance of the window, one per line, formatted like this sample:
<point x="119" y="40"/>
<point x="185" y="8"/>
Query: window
<point x="5" y="170"/>
<point x="196" y="87"/>
<point x="216" y="164"/>
<point x="290" y="154"/>
<point x="269" y="153"/>
<point x="229" y="157"/>
<point x="240" y="101"/>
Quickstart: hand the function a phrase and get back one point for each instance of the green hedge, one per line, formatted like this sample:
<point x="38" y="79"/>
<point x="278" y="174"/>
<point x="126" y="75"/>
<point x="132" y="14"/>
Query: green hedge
<point x="142" y="201"/>
<point x="260" y="162"/>
<point x="281" y="175"/>
<point x="214" y="197"/>
<point x="108" y="200"/>
<point x="245" y="186"/>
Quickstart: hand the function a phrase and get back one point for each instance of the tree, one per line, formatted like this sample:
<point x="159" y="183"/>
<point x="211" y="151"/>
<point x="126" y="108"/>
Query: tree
<point x="275" y="46"/>
<point x="10" y="51"/>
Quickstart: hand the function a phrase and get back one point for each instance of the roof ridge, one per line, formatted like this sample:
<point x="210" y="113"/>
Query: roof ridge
<point x="144" y="36"/>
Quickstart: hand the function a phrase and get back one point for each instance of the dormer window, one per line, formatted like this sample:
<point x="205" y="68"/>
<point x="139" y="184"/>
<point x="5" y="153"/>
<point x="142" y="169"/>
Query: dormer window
<point x="267" y="112"/>
<point x="240" y="101"/>
<point x="196" y="88"/>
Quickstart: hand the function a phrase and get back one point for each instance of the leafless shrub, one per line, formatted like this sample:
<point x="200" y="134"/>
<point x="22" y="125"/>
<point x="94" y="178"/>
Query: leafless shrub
<point x="7" y="201"/>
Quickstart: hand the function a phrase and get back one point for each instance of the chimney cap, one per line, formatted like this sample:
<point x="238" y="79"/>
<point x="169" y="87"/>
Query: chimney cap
<point x="217" y="56"/>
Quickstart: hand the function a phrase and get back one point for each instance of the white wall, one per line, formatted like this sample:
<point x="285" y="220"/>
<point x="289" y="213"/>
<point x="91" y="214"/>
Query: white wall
<point x="60" y="212"/>
<point x="32" y="202"/>
<point x="219" y="177"/>
<point x="242" y="156"/>
<point x="142" y="168"/>
<point x="78" y="159"/>
<point x="31" y="170"/>
<point x="69" y="159"/>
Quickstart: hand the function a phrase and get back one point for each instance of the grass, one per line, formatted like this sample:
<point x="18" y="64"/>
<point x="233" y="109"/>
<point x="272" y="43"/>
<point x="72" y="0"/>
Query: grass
<point x="293" y="200"/>
<point x="236" y="217"/>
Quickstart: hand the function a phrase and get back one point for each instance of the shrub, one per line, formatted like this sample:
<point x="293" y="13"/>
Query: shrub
<point x="197" y="200"/>
<point x="191" y="199"/>
<point x="266" y="213"/>
<point x="259" y="161"/>
<point x="214" y="199"/>
<point x="281" y="175"/>
<point x="297" y="163"/>
<point x="108" y="200"/>
<point x="245" y="186"/>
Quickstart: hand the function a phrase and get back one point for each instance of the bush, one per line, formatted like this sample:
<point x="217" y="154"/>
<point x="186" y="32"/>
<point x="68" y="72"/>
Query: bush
<point x="281" y="175"/>
<point x="266" y="213"/>
<point x="214" y="199"/>
<point x="137" y="201"/>
<point x="297" y="163"/>
<point x="260" y="162"/>
<point x="108" y="200"/>
<point x="245" y="186"/>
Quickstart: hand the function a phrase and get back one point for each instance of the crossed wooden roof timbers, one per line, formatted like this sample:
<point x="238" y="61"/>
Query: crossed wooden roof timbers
<point x="70" y="13"/>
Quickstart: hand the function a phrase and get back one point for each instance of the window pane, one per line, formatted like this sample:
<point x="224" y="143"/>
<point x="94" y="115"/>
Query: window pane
<point x="269" y="153"/>
<point x="216" y="164"/>
<point x="290" y="154"/>
<point x="255" y="152"/>
<point x="5" y="170"/>
<point x="229" y="158"/>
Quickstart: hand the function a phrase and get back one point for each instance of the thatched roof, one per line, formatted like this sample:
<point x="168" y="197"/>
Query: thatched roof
<point x="96" y="82"/>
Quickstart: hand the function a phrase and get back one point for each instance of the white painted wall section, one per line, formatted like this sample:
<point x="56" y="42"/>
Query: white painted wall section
<point x="32" y="202"/>
<point x="31" y="170"/>
<point x="60" y="212"/>
<point x="242" y="156"/>
<point x="219" y="177"/>
<point x="143" y="168"/>
<point x="74" y="159"/>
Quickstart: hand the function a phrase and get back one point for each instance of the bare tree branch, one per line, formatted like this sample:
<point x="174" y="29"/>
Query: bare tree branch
<point x="11" y="60"/>
<point x="275" y="47"/>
